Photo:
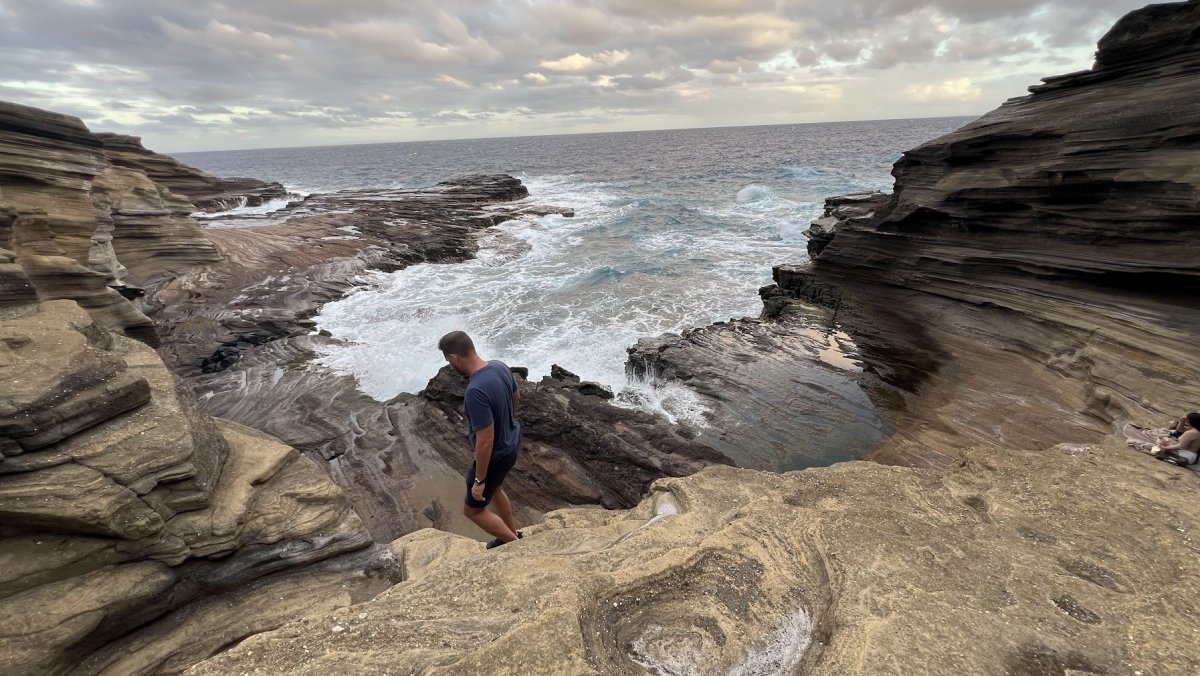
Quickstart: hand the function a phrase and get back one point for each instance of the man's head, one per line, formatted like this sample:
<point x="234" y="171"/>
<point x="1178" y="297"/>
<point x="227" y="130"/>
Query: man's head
<point x="459" y="350"/>
<point x="1193" y="419"/>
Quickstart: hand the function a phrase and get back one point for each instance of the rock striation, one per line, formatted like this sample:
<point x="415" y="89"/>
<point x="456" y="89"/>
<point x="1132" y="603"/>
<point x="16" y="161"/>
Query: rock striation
<point x="206" y="192"/>
<point x="1026" y="284"/>
<point x="120" y="500"/>
<point x="1047" y="562"/>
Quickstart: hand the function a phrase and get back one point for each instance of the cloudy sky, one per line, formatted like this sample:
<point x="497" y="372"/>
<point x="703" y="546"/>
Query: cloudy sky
<point x="198" y="75"/>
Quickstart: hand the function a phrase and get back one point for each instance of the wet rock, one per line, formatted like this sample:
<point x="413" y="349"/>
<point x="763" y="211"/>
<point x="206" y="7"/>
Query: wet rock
<point x="779" y="394"/>
<point x="563" y="378"/>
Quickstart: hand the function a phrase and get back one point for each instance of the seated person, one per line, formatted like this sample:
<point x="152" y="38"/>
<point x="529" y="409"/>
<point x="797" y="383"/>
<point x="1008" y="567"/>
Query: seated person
<point x="1187" y="446"/>
<point x="1178" y="427"/>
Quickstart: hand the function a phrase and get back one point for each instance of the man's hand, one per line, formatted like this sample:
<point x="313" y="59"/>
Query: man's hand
<point x="477" y="491"/>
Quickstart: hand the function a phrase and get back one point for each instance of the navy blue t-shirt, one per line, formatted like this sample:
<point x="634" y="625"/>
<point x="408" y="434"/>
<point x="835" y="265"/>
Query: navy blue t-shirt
<point x="489" y="401"/>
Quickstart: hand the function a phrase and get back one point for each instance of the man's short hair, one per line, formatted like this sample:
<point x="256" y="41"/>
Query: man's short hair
<point x="457" y="343"/>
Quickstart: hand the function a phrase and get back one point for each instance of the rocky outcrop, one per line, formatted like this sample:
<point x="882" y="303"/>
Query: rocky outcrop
<point x="779" y="393"/>
<point x="84" y="227"/>
<point x="1026" y="284"/>
<point x="205" y="191"/>
<point x="49" y="223"/>
<point x="120" y="501"/>
<point x="1050" y="562"/>
<point x="840" y="211"/>
<point x="239" y="333"/>
<point x="275" y="277"/>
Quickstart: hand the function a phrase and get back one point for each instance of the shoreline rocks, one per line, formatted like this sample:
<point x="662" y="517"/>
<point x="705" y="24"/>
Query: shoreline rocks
<point x="239" y="333"/>
<point x="1027" y="283"/>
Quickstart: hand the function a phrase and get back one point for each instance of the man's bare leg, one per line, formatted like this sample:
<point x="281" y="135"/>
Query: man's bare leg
<point x="504" y="509"/>
<point x="491" y="523"/>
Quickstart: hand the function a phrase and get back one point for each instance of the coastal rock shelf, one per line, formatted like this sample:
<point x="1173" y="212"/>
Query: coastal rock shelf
<point x="780" y="393"/>
<point x="1047" y="562"/>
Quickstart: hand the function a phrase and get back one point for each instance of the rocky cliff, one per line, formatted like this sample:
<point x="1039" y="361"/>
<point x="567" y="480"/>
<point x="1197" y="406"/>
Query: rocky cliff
<point x="133" y="521"/>
<point x="205" y="191"/>
<point x="1029" y="281"/>
<point x="1065" y="561"/>
<point x="120" y="501"/>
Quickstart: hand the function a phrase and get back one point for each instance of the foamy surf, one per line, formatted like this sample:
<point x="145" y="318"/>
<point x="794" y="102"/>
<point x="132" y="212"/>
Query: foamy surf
<point x="569" y="291"/>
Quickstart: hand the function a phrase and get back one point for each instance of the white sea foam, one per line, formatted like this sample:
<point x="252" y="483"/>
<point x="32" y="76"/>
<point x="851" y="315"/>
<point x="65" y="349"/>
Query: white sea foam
<point x="270" y="206"/>
<point x="572" y="291"/>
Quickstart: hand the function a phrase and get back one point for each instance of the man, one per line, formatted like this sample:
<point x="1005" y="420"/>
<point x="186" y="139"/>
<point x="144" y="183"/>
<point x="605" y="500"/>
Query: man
<point x="491" y="402"/>
<point x="1187" y="446"/>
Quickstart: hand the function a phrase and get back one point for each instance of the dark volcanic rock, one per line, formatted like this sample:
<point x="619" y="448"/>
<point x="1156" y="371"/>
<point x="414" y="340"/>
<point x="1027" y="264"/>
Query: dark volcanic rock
<point x="578" y="449"/>
<point x="853" y="208"/>
<point x="780" y="394"/>
<point x="275" y="277"/>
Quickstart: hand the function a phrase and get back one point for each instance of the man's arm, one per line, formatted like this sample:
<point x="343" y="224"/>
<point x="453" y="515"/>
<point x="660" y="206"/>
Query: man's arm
<point x="483" y="450"/>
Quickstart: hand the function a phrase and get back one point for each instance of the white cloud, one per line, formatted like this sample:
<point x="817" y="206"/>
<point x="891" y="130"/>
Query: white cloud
<point x="578" y="63"/>
<point x="452" y="81"/>
<point x="958" y="89"/>
<point x="311" y="72"/>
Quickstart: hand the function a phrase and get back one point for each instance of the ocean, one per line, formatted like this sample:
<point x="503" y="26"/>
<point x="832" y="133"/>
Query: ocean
<point x="673" y="229"/>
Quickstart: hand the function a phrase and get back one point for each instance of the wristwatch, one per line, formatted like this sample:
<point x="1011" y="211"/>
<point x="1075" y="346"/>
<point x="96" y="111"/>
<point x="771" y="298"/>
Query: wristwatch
<point x="479" y="482"/>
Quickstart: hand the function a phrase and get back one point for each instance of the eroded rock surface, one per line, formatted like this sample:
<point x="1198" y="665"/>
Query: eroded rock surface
<point x="782" y="392"/>
<point x="1026" y="284"/>
<point x="1026" y="281"/>
<point x="858" y="568"/>
<point x="205" y="191"/>
<point x="120" y="501"/>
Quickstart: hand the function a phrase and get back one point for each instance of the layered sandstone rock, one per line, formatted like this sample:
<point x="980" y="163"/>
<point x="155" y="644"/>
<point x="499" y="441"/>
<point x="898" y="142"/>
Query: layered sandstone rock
<point x="49" y="222"/>
<point x="205" y="191"/>
<point x="120" y="501"/>
<point x="1027" y="283"/>
<point x="1029" y="280"/>
<point x="1051" y="562"/>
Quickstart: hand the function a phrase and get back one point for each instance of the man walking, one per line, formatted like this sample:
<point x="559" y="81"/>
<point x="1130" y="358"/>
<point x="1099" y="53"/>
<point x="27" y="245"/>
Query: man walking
<point x="491" y="406"/>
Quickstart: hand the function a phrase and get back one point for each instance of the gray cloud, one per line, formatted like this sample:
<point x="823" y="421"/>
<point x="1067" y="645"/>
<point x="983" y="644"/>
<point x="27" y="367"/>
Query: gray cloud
<point x="188" y="74"/>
